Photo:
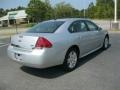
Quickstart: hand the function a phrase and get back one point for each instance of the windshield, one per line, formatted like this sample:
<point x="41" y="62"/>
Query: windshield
<point x="46" y="27"/>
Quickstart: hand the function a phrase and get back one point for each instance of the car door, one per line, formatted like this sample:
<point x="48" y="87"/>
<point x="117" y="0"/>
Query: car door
<point x="80" y="30"/>
<point x="86" y="38"/>
<point x="96" y="35"/>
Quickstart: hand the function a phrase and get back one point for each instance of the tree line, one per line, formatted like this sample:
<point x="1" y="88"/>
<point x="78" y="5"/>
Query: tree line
<point x="39" y="10"/>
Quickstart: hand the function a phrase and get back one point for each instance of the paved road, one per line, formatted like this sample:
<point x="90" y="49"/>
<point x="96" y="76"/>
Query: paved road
<point x="4" y="42"/>
<point x="98" y="71"/>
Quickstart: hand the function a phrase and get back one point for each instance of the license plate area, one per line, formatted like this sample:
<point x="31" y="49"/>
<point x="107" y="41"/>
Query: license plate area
<point x="18" y="56"/>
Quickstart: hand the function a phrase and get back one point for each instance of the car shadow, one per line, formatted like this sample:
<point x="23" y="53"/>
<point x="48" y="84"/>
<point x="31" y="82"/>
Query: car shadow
<point x="91" y="56"/>
<point x="57" y="71"/>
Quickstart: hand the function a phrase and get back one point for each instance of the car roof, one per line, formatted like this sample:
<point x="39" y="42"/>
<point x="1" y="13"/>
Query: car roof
<point x="69" y="19"/>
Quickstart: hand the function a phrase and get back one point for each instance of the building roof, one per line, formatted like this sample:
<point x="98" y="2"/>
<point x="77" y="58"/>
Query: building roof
<point x="4" y="18"/>
<point x="14" y="15"/>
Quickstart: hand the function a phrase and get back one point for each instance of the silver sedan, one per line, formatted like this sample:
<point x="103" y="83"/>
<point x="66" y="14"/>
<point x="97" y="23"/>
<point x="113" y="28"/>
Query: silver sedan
<point x="57" y="42"/>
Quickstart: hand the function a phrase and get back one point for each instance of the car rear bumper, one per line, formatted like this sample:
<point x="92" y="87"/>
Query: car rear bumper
<point x="35" y="58"/>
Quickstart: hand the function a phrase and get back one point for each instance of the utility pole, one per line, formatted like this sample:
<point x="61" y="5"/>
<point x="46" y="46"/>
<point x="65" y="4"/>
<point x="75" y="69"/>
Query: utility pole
<point x="115" y="24"/>
<point x="84" y="11"/>
<point x="115" y="11"/>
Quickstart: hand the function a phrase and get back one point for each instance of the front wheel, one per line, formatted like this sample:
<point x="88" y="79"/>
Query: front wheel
<point x="71" y="60"/>
<point x="106" y="43"/>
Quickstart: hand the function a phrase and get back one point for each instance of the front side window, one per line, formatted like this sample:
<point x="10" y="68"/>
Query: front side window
<point x="46" y="27"/>
<point x="91" y="26"/>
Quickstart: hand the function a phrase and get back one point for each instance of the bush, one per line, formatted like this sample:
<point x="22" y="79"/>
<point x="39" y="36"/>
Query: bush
<point x="31" y="24"/>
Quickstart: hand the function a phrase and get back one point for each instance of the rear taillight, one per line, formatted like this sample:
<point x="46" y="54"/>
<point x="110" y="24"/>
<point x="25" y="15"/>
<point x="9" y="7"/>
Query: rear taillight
<point x="43" y="43"/>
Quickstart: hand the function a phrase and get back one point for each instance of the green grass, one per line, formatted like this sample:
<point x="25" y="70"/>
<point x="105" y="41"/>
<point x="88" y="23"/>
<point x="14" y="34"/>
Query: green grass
<point x="30" y="25"/>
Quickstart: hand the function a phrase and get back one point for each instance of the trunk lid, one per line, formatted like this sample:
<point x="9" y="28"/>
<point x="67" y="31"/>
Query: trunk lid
<point x="26" y="40"/>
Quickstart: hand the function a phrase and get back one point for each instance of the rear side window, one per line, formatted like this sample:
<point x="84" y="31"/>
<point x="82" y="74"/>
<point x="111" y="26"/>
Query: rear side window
<point x="83" y="27"/>
<point x="91" y="26"/>
<point x="46" y="27"/>
<point x="75" y="27"/>
<point x="78" y="26"/>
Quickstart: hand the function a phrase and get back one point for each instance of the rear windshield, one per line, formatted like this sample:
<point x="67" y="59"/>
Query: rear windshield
<point x="46" y="27"/>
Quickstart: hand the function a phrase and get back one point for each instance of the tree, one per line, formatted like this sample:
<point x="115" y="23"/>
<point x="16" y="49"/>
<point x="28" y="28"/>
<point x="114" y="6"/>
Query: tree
<point x="76" y="13"/>
<point x="20" y="8"/>
<point x="91" y="10"/>
<point x="118" y="2"/>
<point x="100" y="12"/>
<point x="49" y="10"/>
<point x="105" y="8"/>
<point x="36" y="10"/>
<point x="102" y="9"/>
<point x="99" y="2"/>
<point x="63" y="10"/>
<point x="2" y="12"/>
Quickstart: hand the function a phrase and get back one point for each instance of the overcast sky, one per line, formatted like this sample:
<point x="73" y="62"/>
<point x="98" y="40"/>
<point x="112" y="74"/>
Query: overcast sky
<point x="78" y="4"/>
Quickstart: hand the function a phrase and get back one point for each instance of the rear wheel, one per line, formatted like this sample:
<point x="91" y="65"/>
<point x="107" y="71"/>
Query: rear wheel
<point x="106" y="43"/>
<point x="71" y="60"/>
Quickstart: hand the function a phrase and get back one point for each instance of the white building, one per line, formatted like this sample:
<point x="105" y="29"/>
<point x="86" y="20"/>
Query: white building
<point x="14" y="17"/>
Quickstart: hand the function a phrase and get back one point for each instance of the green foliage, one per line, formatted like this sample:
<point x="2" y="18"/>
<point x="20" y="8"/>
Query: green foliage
<point x="118" y="9"/>
<point x="39" y="10"/>
<point x="36" y="10"/>
<point x="49" y="10"/>
<point x="91" y="10"/>
<point x="30" y="25"/>
<point x="2" y="12"/>
<point x="63" y="10"/>
<point x="102" y="10"/>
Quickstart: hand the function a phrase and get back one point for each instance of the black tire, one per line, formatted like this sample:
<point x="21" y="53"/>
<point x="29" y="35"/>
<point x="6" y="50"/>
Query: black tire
<point x="66" y="65"/>
<point x="106" y="43"/>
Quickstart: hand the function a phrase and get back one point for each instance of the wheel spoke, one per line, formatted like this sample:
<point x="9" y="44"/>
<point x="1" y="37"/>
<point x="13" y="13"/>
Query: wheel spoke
<point x="72" y="60"/>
